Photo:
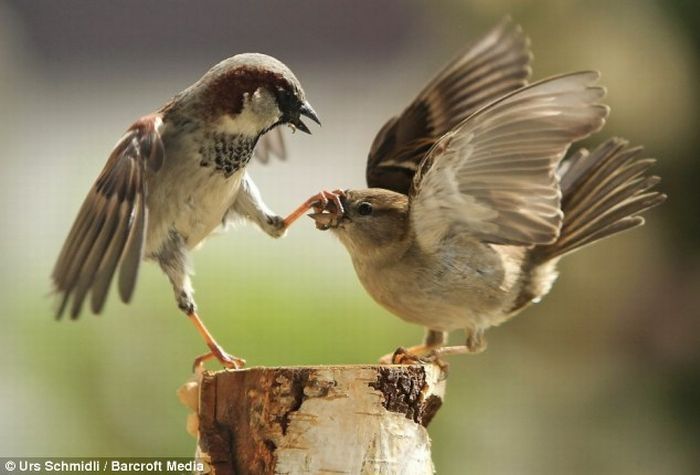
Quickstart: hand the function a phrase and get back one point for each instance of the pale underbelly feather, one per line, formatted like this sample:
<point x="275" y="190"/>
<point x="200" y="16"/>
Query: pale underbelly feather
<point x="194" y="209"/>
<point x="206" y="206"/>
<point x="440" y="303"/>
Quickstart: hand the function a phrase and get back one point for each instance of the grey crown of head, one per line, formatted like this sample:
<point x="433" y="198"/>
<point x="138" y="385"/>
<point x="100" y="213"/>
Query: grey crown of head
<point x="246" y="72"/>
<point x="224" y="87"/>
<point x="265" y="66"/>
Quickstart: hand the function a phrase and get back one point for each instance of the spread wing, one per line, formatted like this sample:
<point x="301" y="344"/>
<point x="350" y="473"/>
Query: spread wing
<point x="109" y="231"/>
<point x="271" y="143"/>
<point x="493" y="66"/>
<point x="494" y="177"/>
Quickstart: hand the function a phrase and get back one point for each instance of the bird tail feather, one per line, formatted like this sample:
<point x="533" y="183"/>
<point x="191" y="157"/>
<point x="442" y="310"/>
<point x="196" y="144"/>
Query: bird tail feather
<point x="604" y="192"/>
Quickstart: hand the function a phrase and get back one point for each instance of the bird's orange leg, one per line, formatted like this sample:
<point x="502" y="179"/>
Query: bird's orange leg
<point x="319" y="202"/>
<point x="476" y="343"/>
<point x="452" y="350"/>
<point x="229" y="361"/>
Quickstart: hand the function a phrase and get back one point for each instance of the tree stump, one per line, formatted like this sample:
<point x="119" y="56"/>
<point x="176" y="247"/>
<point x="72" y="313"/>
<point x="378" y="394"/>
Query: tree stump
<point x="325" y="419"/>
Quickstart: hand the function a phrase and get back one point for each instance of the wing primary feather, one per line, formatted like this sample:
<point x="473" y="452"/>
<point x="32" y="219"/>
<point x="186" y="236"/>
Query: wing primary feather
<point x="85" y="217"/>
<point x="94" y="257"/>
<point x="104" y="275"/>
<point x="133" y="254"/>
<point x="86" y="242"/>
<point x="105" y="272"/>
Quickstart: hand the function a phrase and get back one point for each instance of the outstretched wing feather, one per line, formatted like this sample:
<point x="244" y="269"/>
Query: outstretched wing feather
<point x="109" y="231"/>
<point x="494" y="176"/>
<point x="493" y="66"/>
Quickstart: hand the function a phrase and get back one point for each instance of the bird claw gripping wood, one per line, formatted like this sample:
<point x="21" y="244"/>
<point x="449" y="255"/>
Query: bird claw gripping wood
<point x="227" y="360"/>
<point x="403" y="356"/>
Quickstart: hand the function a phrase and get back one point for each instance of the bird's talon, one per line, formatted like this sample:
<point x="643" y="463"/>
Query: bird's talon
<point x="226" y="360"/>
<point x="230" y="361"/>
<point x="389" y="358"/>
<point x="199" y="361"/>
<point x="325" y="198"/>
<point x="399" y="356"/>
<point x="403" y="356"/>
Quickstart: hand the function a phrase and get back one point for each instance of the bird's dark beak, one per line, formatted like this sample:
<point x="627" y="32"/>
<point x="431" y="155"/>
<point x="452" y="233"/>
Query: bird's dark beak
<point x="307" y="111"/>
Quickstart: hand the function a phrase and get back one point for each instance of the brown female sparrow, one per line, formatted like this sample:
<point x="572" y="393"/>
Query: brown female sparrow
<point x="176" y="176"/>
<point x="467" y="214"/>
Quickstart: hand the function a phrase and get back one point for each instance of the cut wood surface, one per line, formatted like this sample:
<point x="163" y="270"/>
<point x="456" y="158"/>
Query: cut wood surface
<point x="320" y="419"/>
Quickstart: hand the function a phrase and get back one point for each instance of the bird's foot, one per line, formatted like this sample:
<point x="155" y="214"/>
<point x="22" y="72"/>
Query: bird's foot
<point x="325" y="200"/>
<point x="399" y="356"/>
<point x="216" y="351"/>
<point x="275" y="226"/>
<point x="328" y="209"/>
<point x="227" y="360"/>
<point x="329" y="201"/>
<point x="411" y="355"/>
<point x="415" y="355"/>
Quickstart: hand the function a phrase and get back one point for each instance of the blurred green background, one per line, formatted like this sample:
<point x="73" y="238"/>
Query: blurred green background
<point x="602" y="377"/>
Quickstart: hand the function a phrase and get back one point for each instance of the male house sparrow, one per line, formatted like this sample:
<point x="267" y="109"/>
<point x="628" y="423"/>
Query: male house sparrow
<point x="466" y="219"/>
<point x="176" y="176"/>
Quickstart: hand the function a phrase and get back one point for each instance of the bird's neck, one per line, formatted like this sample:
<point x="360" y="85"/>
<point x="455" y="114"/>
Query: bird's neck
<point x="378" y="255"/>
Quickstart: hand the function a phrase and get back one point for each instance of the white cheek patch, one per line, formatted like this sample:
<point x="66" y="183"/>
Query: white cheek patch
<point x="259" y="112"/>
<point x="264" y="104"/>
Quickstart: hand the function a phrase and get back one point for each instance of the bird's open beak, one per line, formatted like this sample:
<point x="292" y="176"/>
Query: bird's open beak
<point x="325" y="220"/>
<point x="307" y="111"/>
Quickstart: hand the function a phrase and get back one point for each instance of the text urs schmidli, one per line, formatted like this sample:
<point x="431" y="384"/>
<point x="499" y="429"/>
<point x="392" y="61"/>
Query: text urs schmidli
<point x="109" y="465"/>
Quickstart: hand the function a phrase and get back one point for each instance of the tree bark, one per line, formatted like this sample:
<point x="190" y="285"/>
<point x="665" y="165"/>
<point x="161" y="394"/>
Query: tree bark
<point x="325" y="419"/>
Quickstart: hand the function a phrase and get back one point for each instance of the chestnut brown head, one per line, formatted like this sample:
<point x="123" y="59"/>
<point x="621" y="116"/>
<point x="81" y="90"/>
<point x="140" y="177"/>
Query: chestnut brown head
<point x="257" y="88"/>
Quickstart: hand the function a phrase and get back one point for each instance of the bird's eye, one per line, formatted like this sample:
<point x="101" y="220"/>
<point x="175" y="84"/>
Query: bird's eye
<point x="364" y="209"/>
